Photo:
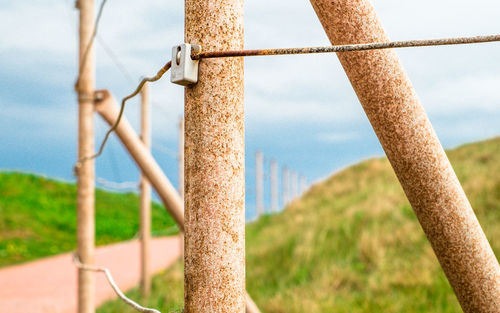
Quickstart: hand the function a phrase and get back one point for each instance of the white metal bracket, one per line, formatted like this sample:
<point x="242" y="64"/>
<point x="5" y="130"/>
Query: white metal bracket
<point x="184" y="70"/>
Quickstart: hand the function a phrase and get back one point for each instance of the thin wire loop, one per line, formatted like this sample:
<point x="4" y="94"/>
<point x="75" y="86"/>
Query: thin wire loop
<point x="113" y="284"/>
<point x="138" y="89"/>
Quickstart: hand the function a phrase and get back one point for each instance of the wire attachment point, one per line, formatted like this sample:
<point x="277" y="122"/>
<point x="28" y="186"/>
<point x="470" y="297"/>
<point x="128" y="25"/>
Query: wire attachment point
<point x="184" y="68"/>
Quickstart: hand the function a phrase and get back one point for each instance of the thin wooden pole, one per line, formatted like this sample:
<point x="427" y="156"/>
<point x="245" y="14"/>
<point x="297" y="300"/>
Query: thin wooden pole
<point x="108" y="109"/>
<point x="415" y="153"/>
<point x="86" y="171"/>
<point x="259" y="183"/>
<point x="214" y="253"/>
<point x="274" y="186"/>
<point x="145" y="207"/>
<point x="303" y="184"/>
<point x="285" y="186"/>
<point x="295" y="185"/>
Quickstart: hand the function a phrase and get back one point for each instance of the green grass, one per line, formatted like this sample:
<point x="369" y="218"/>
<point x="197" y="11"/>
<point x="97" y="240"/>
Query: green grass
<point x="38" y="217"/>
<point x="352" y="244"/>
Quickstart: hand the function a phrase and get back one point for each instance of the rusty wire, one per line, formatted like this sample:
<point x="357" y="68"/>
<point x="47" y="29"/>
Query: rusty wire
<point x="288" y="51"/>
<point x="138" y="89"/>
<point x="347" y="48"/>
<point x="113" y="284"/>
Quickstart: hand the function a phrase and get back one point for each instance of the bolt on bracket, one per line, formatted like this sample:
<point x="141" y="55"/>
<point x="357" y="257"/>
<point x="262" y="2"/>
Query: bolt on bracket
<point x="184" y="70"/>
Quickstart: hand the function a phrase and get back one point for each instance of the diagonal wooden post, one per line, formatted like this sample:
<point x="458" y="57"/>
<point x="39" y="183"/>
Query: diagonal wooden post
<point x="214" y="253"/>
<point x="415" y="153"/>
<point x="86" y="170"/>
<point x="145" y="207"/>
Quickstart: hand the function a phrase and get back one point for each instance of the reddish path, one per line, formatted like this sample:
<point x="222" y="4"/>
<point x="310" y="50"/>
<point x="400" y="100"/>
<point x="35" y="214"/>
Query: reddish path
<point x="49" y="284"/>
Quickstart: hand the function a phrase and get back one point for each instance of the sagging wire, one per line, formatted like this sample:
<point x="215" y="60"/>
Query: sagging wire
<point x="289" y="51"/>
<point x="138" y="89"/>
<point x="119" y="293"/>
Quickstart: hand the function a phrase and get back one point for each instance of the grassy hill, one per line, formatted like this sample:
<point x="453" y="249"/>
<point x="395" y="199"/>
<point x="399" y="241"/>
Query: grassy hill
<point x="38" y="217"/>
<point x="352" y="244"/>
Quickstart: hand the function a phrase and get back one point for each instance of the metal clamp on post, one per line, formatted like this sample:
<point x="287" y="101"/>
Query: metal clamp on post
<point x="184" y="70"/>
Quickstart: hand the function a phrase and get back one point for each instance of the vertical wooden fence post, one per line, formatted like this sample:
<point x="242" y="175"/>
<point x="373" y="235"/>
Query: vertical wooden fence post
<point x="85" y="172"/>
<point x="145" y="207"/>
<point x="295" y="185"/>
<point x="303" y="184"/>
<point x="285" y="186"/>
<point x="415" y="153"/>
<point x="259" y="183"/>
<point x="214" y="253"/>
<point x="274" y="186"/>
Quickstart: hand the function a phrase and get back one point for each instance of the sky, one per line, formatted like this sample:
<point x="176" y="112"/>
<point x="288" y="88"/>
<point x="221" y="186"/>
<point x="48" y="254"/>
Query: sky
<point x="299" y="110"/>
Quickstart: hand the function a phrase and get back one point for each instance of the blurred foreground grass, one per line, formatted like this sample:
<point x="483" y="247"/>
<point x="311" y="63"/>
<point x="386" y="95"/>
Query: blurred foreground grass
<point x="38" y="217"/>
<point x="352" y="244"/>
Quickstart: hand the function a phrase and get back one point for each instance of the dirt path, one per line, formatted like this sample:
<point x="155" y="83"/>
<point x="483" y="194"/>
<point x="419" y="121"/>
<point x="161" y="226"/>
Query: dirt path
<point x="49" y="284"/>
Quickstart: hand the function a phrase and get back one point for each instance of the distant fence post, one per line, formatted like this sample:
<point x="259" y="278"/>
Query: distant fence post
<point x="145" y="207"/>
<point x="415" y="153"/>
<point x="86" y="171"/>
<point x="303" y="184"/>
<point x="285" y="186"/>
<point x="274" y="186"/>
<point x="214" y="253"/>
<point x="295" y="185"/>
<point x="259" y="183"/>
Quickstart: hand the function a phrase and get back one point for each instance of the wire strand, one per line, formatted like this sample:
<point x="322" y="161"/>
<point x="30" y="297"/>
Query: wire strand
<point x="113" y="284"/>
<point x="91" y="42"/>
<point x="138" y="89"/>
<point x="347" y="48"/>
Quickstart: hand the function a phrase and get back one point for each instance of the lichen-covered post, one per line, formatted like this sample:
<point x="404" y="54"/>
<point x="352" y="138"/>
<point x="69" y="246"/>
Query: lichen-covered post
<point x="415" y="153"/>
<point x="145" y="202"/>
<point x="274" y="185"/>
<point x="214" y="253"/>
<point x="85" y="171"/>
<point x="259" y="183"/>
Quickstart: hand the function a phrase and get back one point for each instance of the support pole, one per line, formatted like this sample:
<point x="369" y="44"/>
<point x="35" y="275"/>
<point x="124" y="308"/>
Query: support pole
<point x="214" y="253"/>
<point x="181" y="157"/>
<point x="274" y="186"/>
<point x="415" y="153"/>
<point x="145" y="214"/>
<point x="86" y="171"/>
<point x="259" y="183"/>
<point x="285" y="186"/>
<point x="108" y="109"/>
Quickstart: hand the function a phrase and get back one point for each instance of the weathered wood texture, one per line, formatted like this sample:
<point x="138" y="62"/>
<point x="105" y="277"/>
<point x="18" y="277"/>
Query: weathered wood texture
<point x="214" y="253"/>
<point x="412" y="147"/>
